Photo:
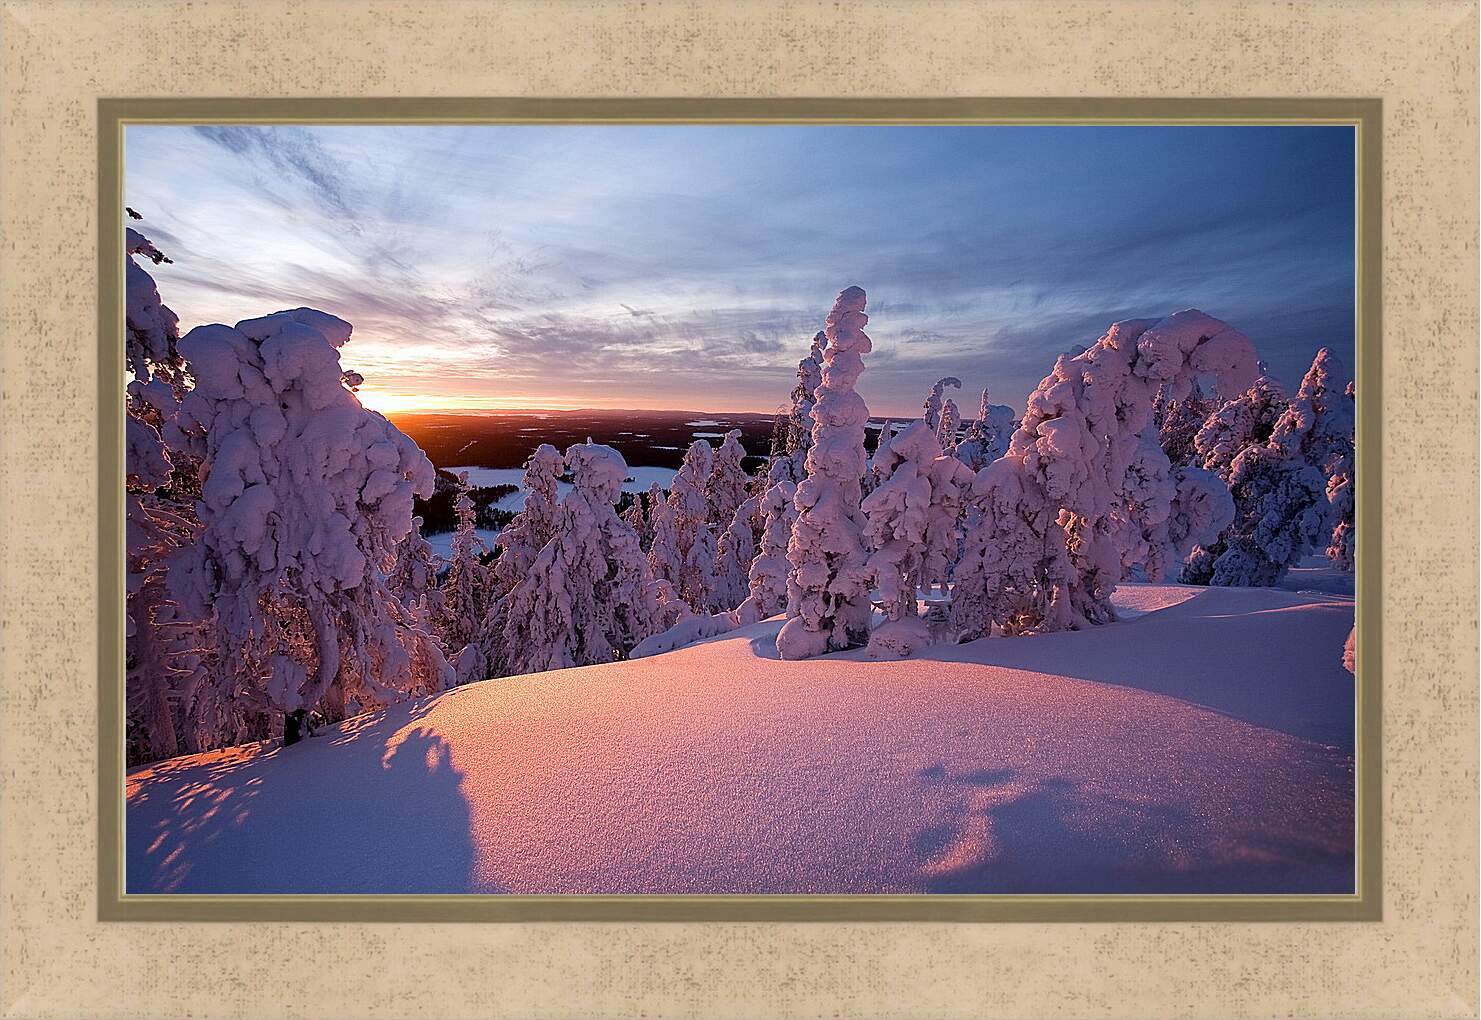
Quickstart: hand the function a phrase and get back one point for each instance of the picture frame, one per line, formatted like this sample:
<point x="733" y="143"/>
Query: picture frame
<point x="1411" y="948"/>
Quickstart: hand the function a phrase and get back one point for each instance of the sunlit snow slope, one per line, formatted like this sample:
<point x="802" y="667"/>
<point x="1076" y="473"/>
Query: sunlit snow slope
<point x="1205" y="745"/>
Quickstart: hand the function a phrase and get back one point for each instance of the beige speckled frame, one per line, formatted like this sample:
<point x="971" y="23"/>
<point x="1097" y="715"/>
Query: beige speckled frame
<point x="60" y="59"/>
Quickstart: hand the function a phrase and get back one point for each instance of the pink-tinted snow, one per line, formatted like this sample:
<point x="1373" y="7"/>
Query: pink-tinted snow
<point x="1203" y="747"/>
<point x="1133" y="600"/>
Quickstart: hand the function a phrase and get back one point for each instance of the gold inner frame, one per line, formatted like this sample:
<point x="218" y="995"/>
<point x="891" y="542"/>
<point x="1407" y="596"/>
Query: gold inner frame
<point x="1364" y="904"/>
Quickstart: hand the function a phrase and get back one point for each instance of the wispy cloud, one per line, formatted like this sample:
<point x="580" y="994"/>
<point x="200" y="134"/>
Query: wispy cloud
<point x="691" y="266"/>
<point x="292" y="152"/>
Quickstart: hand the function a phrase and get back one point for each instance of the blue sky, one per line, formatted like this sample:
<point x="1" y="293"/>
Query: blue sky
<point x="688" y="266"/>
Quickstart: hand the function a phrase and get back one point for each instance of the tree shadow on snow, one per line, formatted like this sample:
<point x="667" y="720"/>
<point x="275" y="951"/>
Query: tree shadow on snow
<point x="373" y="806"/>
<point x="1049" y="836"/>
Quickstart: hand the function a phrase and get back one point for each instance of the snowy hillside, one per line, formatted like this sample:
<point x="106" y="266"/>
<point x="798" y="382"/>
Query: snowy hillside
<point x="1202" y="744"/>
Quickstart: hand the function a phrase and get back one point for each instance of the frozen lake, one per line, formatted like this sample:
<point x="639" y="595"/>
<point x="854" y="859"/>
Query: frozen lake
<point x="639" y="479"/>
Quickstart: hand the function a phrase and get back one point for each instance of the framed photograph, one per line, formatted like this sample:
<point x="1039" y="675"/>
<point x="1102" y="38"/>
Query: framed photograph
<point x="976" y="526"/>
<point x="606" y="571"/>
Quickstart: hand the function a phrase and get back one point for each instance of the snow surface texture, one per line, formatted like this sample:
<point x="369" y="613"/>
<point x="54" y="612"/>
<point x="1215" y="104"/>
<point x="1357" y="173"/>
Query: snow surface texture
<point x="1205" y="747"/>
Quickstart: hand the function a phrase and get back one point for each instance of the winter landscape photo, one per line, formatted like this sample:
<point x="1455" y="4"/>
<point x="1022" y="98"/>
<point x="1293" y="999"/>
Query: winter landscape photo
<point x="688" y="509"/>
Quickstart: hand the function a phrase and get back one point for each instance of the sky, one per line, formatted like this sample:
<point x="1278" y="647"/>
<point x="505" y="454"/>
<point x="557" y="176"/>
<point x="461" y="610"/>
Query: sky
<point x="689" y="266"/>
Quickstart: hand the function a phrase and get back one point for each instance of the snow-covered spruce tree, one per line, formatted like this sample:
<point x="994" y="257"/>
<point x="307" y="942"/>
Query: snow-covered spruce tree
<point x="886" y="431"/>
<point x="168" y="658"/>
<point x="727" y="485"/>
<point x="751" y="594"/>
<point x="637" y="517"/>
<point x="1010" y="564"/>
<point x="1165" y="508"/>
<point x="1319" y="427"/>
<point x="1280" y="515"/>
<point x="1342" y="544"/>
<point x="828" y="603"/>
<point x="912" y="531"/>
<point x="304" y="500"/>
<point x="799" y="421"/>
<point x="519" y="544"/>
<point x="777" y="445"/>
<point x="979" y="429"/>
<point x="1178" y="423"/>
<point x="467" y="590"/>
<point x="775" y="491"/>
<point x="670" y="608"/>
<point x="1281" y="507"/>
<point x="683" y="551"/>
<point x="657" y="496"/>
<point x="632" y="598"/>
<point x="1248" y="419"/>
<point x="896" y="513"/>
<point x="171" y="669"/>
<point x="413" y="574"/>
<point x="152" y="333"/>
<point x="1053" y="517"/>
<point x="878" y="465"/>
<point x="588" y="597"/>
<point x="1318" y="423"/>
<point x="412" y="578"/>
<point x="934" y="401"/>
<point x="697" y="578"/>
<point x="1350" y="652"/>
<point x="665" y="557"/>
<point x="734" y="554"/>
<point x="1341" y="501"/>
<point x="951" y="487"/>
<point x="522" y="538"/>
<point x="987" y="436"/>
<point x="769" y="569"/>
<point x="951" y="423"/>
<point x="159" y="379"/>
<point x="732" y="516"/>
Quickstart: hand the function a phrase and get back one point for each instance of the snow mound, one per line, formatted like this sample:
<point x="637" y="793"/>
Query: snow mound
<point x="1133" y="600"/>
<point x="1205" y="747"/>
<point x="899" y="639"/>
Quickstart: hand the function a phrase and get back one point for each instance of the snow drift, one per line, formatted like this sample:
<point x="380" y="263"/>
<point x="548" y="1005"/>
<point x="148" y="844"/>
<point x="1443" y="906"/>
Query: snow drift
<point x="1204" y="746"/>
